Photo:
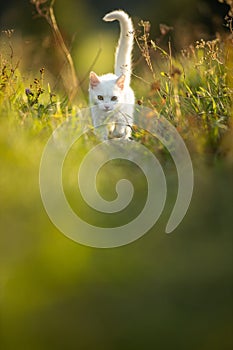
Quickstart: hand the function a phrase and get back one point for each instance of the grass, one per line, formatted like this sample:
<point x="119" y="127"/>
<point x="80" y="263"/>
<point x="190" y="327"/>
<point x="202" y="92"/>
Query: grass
<point x="192" y="89"/>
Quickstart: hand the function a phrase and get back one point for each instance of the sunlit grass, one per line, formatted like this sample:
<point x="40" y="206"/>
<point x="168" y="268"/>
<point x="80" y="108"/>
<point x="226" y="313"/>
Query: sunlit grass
<point x="192" y="90"/>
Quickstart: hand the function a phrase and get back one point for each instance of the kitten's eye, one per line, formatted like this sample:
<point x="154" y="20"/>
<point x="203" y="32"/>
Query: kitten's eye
<point x="100" y="97"/>
<point x="114" y="98"/>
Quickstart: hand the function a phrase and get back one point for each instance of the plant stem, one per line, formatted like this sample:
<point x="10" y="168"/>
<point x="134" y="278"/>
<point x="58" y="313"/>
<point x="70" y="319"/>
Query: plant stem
<point x="60" y="40"/>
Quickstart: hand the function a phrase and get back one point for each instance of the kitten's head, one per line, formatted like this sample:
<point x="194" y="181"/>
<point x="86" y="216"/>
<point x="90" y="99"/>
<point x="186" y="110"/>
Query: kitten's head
<point x="106" y="91"/>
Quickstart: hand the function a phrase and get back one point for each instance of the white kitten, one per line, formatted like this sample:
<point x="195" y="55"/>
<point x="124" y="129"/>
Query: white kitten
<point x="110" y="94"/>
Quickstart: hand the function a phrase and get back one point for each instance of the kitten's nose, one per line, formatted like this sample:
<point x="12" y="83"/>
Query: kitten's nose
<point x="106" y="107"/>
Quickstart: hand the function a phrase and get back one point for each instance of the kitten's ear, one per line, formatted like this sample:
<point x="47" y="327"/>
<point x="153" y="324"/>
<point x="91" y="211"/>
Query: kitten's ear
<point x="94" y="80"/>
<point x="121" y="82"/>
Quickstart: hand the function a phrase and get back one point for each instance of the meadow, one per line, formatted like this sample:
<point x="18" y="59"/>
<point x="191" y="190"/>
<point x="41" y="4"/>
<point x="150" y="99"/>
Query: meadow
<point x="160" y="292"/>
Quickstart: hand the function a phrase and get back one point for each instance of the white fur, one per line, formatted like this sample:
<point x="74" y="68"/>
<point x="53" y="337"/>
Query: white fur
<point x="125" y="44"/>
<point x="110" y="95"/>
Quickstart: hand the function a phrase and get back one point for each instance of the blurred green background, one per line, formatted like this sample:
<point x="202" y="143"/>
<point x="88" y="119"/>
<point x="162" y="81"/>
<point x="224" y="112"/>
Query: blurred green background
<point x="160" y="292"/>
<point x="86" y="34"/>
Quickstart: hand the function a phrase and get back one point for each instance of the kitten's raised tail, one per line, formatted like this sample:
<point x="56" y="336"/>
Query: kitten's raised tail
<point x="125" y="44"/>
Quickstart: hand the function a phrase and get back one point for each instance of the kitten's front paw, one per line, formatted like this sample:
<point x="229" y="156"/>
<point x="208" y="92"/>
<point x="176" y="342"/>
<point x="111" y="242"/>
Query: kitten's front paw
<point x="120" y="133"/>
